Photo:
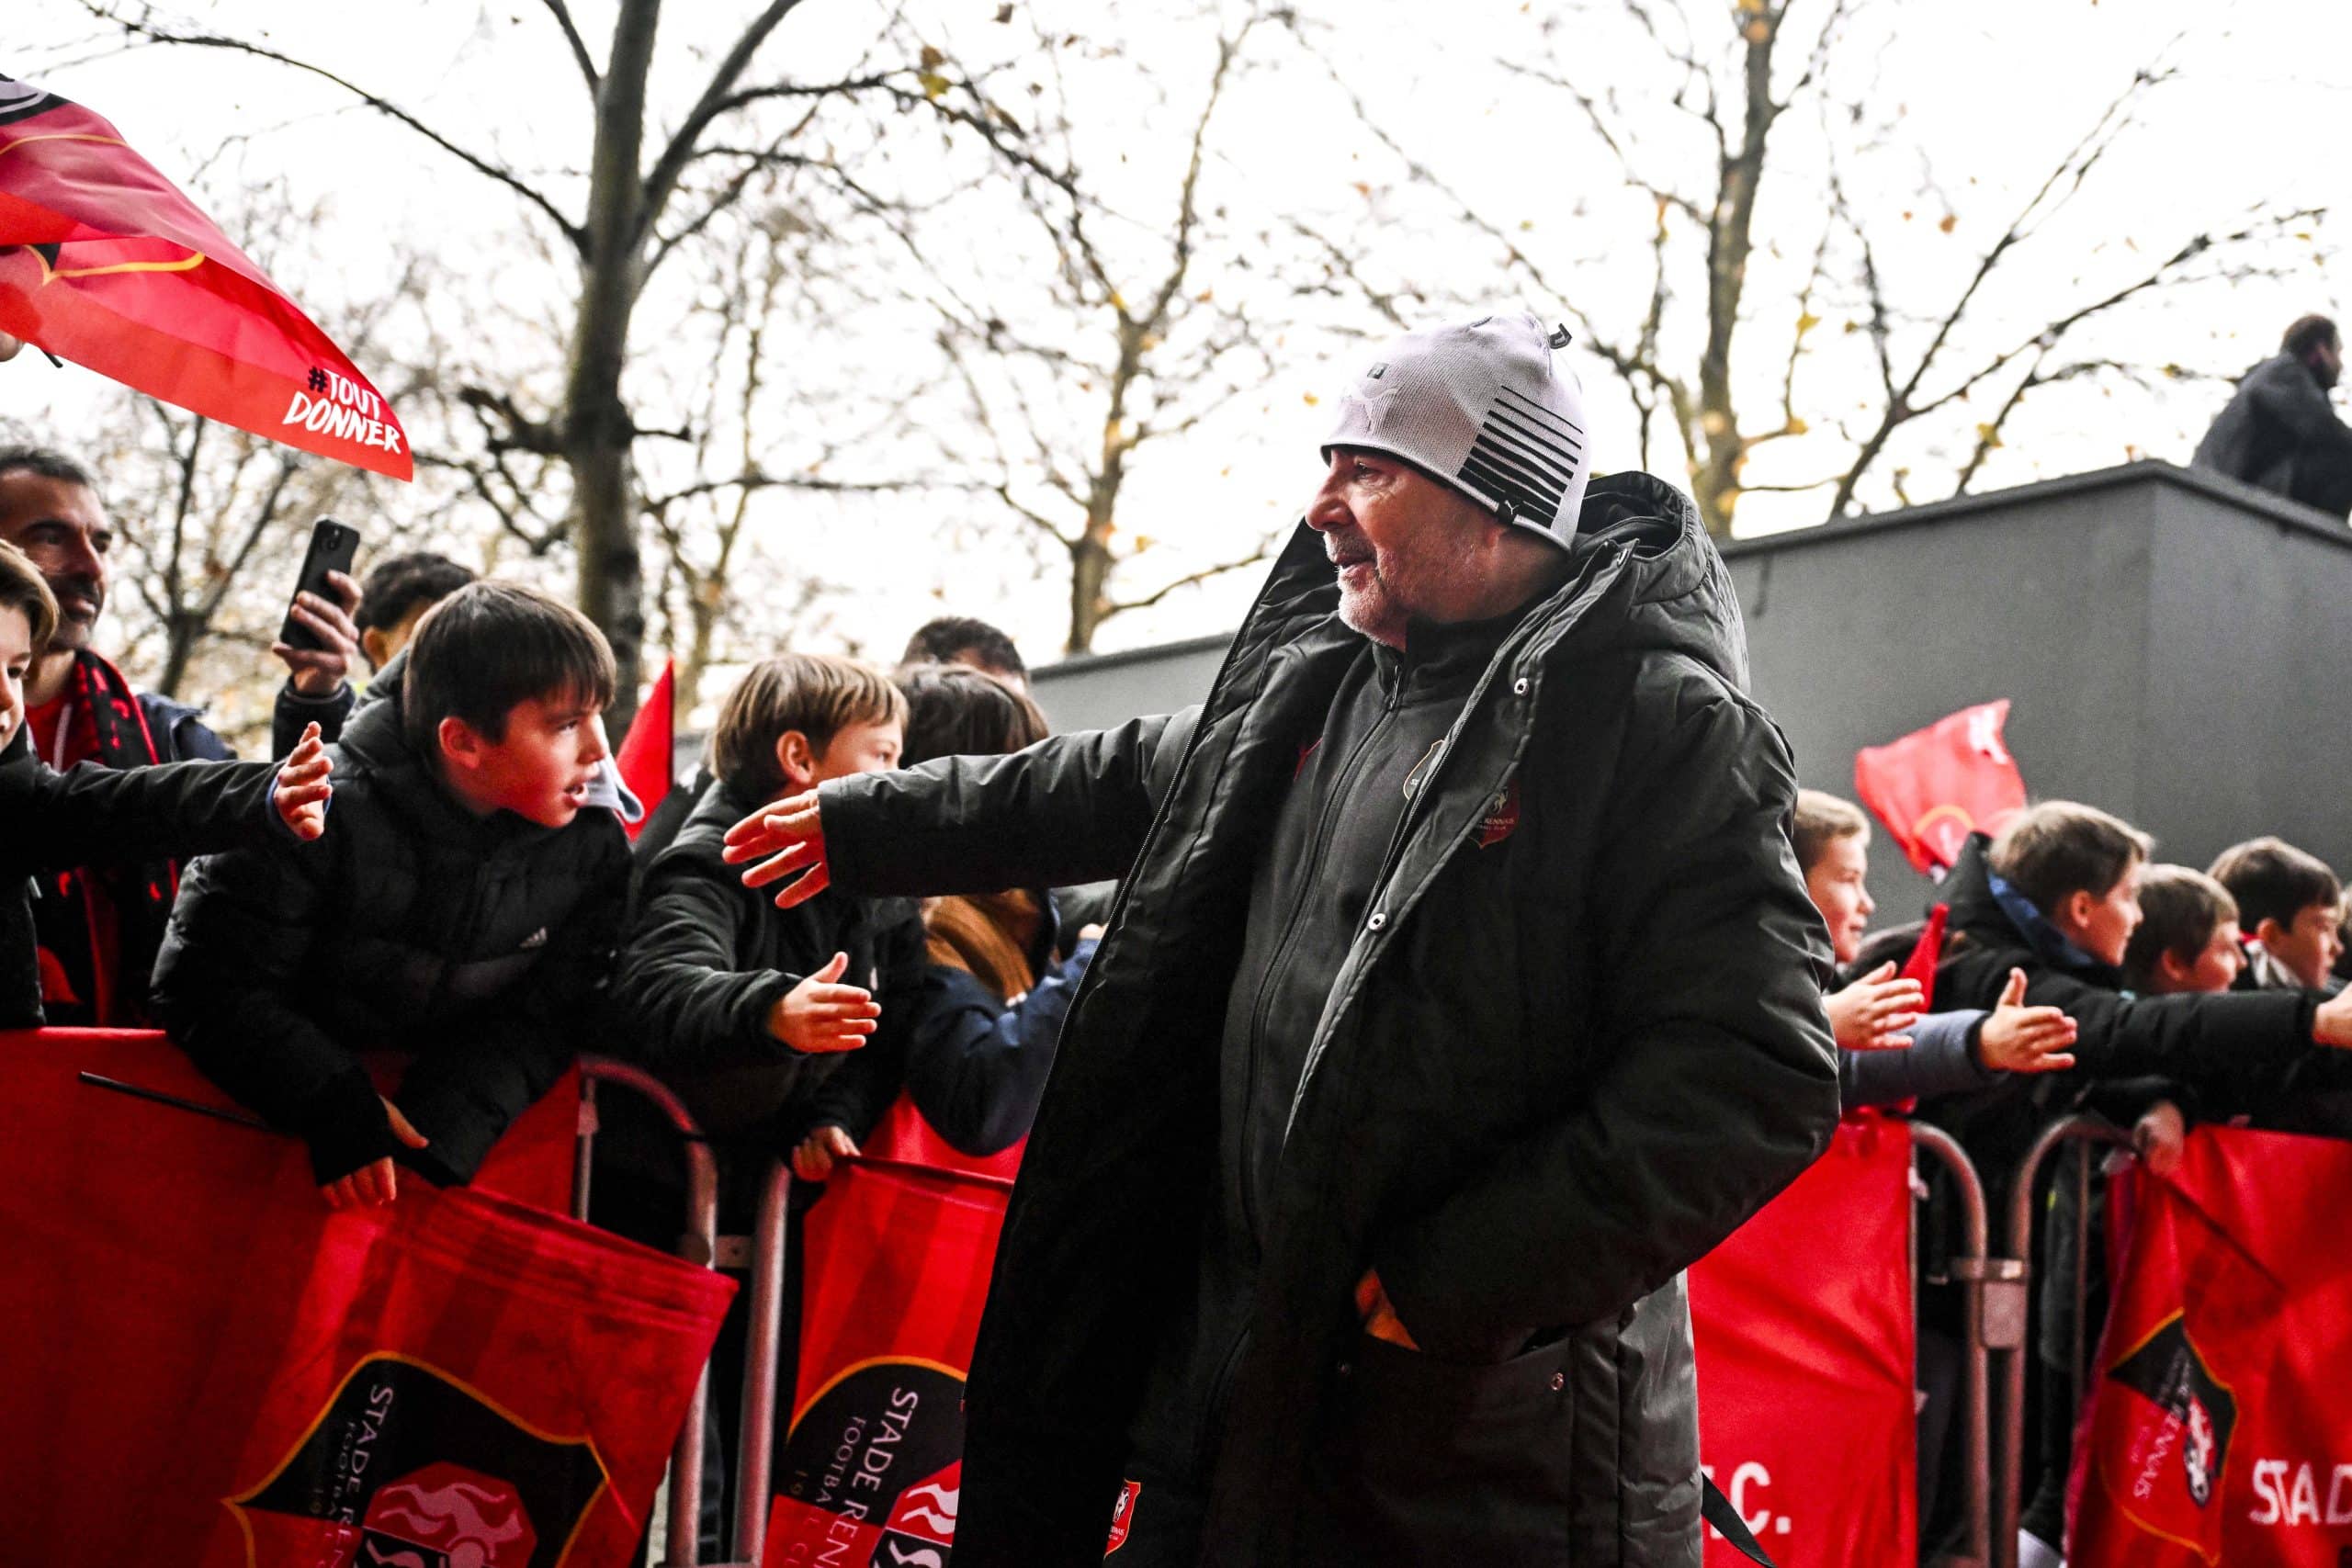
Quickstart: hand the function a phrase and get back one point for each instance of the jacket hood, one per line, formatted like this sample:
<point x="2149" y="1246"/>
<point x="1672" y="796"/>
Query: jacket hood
<point x="1643" y="575"/>
<point x="1673" y="593"/>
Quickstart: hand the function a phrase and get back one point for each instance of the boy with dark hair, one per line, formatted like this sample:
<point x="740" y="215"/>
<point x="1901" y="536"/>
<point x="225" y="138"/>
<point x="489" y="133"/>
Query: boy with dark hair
<point x="2290" y="908"/>
<point x="741" y="1006"/>
<point x="464" y="910"/>
<point x="395" y="594"/>
<point x="94" y="814"/>
<point x="960" y="639"/>
<point x="2187" y="939"/>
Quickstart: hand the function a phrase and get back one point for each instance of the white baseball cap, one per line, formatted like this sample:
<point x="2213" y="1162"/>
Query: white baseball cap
<point x="1479" y="407"/>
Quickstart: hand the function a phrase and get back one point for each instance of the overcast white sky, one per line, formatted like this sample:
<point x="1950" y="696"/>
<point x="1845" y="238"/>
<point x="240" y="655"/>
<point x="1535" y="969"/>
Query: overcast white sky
<point x="1990" y="92"/>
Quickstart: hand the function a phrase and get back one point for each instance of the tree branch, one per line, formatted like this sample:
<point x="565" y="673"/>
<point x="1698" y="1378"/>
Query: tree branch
<point x="562" y="14"/>
<point x="1265" y="549"/>
<point x="717" y="98"/>
<point x="571" y="230"/>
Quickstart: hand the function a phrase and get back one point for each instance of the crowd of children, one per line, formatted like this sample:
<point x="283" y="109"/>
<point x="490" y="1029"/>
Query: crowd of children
<point x="2076" y="976"/>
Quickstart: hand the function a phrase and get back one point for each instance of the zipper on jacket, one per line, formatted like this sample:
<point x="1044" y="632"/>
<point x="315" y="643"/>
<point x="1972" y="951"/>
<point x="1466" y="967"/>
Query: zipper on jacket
<point x="1326" y="823"/>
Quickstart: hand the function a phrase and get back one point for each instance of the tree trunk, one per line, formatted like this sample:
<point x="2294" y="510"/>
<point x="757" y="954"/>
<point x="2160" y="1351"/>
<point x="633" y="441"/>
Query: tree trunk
<point x="181" y="631"/>
<point x="1089" y="569"/>
<point x="1716" y="476"/>
<point x="596" y="427"/>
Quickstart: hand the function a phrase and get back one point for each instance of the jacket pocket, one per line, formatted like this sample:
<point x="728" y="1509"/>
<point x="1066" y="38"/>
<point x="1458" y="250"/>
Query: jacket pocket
<point x="1429" y="1460"/>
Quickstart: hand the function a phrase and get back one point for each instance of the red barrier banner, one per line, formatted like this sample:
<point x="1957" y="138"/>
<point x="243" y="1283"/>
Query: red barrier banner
<point x="207" y="1366"/>
<point x="1803" y="1320"/>
<point x="2218" y="1430"/>
<point x="898" y="1259"/>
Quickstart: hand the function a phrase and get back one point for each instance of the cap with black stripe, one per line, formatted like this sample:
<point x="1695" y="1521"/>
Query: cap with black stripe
<point x="1482" y="407"/>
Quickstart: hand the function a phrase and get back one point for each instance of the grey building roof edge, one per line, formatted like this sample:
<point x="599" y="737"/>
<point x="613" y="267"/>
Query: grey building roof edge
<point x="2148" y="471"/>
<point x="2244" y="498"/>
<point x="1214" y="642"/>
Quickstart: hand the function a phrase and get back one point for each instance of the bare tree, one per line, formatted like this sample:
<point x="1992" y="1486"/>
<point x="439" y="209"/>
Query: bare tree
<point x="1705" y="138"/>
<point x="628" y="218"/>
<point x="1119" y="332"/>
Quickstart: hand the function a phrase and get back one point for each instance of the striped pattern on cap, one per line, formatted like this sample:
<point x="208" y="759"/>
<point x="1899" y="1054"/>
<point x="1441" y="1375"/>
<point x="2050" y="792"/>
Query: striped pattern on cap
<point x="1479" y="406"/>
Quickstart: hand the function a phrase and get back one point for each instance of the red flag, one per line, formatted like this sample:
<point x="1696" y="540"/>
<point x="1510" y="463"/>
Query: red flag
<point x="646" y="750"/>
<point x="105" y="262"/>
<point x="1926" y="953"/>
<point x="1802" y="1320"/>
<point x="899" y="1264"/>
<point x="207" y="1366"/>
<point x="1936" y="785"/>
<point x="2218" y="1431"/>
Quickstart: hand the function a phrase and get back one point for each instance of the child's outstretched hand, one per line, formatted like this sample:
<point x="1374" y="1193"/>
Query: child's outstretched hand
<point x="2020" y="1039"/>
<point x="820" y="1016"/>
<point x="303" y="788"/>
<point x="814" y="1159"/>
<point x="2161" y="1136"/>
<point x="1873" y="1013"/>
<point x="378" y="1182"/>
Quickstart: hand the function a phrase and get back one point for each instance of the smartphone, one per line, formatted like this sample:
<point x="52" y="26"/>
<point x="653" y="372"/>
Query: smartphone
<point x="332" y="547"/>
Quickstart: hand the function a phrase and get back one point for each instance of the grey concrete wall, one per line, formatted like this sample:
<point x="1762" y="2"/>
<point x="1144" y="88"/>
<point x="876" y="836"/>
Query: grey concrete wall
<point x="1106" y="689"/>
<point x="2177" y="650"/>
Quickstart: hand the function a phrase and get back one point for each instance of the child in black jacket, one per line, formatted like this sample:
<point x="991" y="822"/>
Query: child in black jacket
<point x="94" y="814"/>
<point x="465" y="910"/>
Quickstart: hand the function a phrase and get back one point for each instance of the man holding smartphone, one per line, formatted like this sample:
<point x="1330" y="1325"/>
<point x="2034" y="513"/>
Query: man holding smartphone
<point x="100" y="929"/>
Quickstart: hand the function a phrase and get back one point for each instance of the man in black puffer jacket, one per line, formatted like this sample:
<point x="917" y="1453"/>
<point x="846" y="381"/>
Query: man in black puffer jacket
<point x="1463" y="992"/>
<point x="465" y="906"/>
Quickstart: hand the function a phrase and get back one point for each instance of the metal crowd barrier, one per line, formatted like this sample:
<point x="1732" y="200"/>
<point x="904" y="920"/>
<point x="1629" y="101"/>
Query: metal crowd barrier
<point x="2085" y="1131"/>
<point x="1995" y="1305"/>
<point x="1991" y="1316"/>
<point x="697" y="1243"/>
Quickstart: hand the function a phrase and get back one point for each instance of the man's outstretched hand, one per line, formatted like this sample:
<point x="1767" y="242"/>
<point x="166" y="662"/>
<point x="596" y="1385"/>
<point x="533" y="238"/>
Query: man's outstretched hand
<point x="791" y="835"/>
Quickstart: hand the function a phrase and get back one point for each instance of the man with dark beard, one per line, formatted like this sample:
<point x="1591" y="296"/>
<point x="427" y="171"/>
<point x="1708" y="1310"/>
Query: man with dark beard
<point x="2279" y="433"/>
<point x="1463" y="992"/>
<point x="100" y="929"/>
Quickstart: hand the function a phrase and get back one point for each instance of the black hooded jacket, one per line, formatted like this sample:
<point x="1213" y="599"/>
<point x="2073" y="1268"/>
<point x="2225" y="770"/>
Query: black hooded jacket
<point x="1576" y="1040"/>
<point x="479" y="944"/>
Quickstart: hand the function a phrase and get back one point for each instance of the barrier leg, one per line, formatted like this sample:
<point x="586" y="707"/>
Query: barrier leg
<point x="1990" y="1317"/>
<point x="762" y="1361"/>
<point x="2012" y="1502"/>
<point x="583" y="1151"/>
<point x="697" y="1243"/>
